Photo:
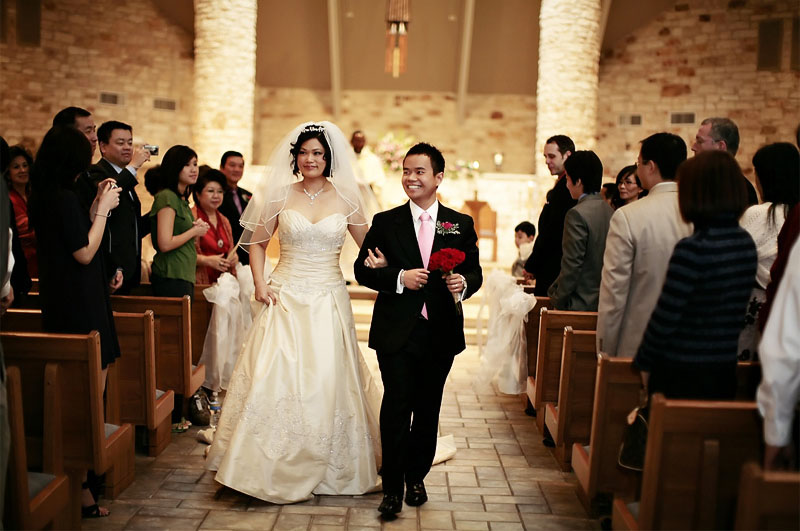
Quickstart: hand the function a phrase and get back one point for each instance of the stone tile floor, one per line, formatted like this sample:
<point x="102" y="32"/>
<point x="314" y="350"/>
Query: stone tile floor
<point x="501" y="478"/>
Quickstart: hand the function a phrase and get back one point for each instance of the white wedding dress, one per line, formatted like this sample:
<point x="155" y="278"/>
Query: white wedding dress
<point x="301" y="413"/>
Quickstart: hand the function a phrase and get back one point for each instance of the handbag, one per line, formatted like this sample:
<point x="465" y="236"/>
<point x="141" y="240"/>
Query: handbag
<point x="199" y="410"/>
<point x="634" y="439"/>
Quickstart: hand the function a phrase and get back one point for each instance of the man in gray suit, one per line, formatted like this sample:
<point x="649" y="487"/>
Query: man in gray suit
<point x="585" y="228"/>
<point x="641" y="238"/>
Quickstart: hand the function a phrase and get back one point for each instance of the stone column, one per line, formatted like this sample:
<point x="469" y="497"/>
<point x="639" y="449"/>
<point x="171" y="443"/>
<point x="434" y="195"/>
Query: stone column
<point x="224" y="78"/>
<point x="566" y="91"/>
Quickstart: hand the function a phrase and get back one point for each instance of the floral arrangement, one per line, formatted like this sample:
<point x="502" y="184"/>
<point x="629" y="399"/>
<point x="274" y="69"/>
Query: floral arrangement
<point x="447" y="260"/>
<point x="392" y="148"/>
<point x="464" y="170"/>
<point x="445" y="227"/>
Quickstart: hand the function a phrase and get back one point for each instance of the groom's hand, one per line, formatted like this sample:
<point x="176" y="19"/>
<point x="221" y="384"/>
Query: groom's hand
<point x="414" y="279"/>
<point x="455" y="283"/>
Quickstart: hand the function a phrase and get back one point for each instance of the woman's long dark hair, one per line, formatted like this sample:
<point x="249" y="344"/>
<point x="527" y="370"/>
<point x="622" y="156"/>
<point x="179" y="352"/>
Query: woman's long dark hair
<point x="778" y="172"/>
<point x="172" y="164"/>
<point x="64" y="154"/>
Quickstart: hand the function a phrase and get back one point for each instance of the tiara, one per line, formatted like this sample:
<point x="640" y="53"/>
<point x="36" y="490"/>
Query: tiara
<point x="316" y="128"/>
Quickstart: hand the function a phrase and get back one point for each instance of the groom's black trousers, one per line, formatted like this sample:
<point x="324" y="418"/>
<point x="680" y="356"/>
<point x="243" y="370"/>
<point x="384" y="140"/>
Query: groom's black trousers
<point x="413" y="383"/>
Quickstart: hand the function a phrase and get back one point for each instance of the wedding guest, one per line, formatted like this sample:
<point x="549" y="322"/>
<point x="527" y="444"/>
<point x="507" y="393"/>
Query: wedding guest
<point x="640" y="240"/>
<point x="6" y="298"/>
<point x="689" y="346"/>
<point x="585" y="228"/>
<point x="524" y="234"/>
<point x="779" y="350"/>
<point x="17" y="177"/>
<point x="73" y="281"/>
<point x="777" y="168"/>
<point x="786" y="238"/>
<point x="215" y="245"/>
<point x="722" y="134"/>
<point x="127" y="226"/>
<point x="629" y="187"/>
<point x="236" y="197"/>
<point x="545" y="260"/>
<point x="173" y="226"/>
<point x="607" y="192"/>
<point x="80" y="119"/>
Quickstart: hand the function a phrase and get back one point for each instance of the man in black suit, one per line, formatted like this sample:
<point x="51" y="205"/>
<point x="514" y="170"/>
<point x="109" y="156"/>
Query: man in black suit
<point x="417" y="326"/>
<point x="544" y="263"/>
<point x="126" y="225"/>
<point x="236" y="198"/>
<point x="80" y="119"/>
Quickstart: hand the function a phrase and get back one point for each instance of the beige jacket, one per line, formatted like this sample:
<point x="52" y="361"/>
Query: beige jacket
<point x="640" y="242"/>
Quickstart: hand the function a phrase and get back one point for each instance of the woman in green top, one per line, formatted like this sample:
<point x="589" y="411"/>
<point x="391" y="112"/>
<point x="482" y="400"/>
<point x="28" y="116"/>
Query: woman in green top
<point x="173" y="226"/>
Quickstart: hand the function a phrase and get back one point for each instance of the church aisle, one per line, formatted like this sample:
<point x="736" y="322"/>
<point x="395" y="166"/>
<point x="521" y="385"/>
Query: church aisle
<point x="501" y="478"/>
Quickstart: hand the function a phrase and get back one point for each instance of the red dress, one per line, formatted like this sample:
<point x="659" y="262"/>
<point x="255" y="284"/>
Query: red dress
<point x="218" y="240"/>
<point x="27" y="237"/>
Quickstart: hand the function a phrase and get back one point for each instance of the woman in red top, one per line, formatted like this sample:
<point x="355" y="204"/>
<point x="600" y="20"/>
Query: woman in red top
<point x="17" y="176"/>
<point x="214" y="247"/>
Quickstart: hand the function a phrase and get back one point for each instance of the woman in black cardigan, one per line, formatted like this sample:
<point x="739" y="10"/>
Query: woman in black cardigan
<point x="689" y="349"/>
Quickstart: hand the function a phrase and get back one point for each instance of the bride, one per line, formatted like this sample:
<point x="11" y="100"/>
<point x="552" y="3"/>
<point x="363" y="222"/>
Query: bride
<point x="300" y="415"/>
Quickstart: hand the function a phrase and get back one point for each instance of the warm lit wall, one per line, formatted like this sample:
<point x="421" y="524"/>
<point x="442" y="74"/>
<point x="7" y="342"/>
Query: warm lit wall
<point x="699" y="56"/>
<point x="88" y="47"/>
<point x="494" y="122"/>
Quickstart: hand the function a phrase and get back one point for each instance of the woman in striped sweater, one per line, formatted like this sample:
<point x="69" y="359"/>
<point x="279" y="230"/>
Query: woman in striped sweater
<point x="689" y="349"/>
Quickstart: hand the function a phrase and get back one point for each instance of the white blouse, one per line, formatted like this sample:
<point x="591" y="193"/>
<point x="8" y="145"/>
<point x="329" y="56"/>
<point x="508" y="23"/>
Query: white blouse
<point x="758" y="223"/>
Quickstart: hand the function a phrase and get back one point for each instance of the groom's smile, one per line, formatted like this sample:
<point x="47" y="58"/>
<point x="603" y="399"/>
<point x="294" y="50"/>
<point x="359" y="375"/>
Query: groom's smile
<point x="419" y="181"/>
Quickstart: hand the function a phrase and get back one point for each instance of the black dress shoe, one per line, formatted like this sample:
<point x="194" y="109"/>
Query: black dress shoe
<point x="416" y="495"/>
<point x="390" y="506"/>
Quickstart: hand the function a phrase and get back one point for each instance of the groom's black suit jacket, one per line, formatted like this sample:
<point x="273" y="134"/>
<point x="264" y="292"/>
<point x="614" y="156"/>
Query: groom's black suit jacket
<point x="395" y="315"/>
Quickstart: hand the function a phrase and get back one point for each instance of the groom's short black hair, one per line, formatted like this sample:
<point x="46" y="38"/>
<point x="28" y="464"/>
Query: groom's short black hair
<point x="436" y="157"/>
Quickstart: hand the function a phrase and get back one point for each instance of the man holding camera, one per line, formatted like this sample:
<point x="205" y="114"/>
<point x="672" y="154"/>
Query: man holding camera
<point x="126" y="226"/>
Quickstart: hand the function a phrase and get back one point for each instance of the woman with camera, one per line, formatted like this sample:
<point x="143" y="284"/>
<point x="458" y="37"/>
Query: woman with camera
<point x="72" y="274"/>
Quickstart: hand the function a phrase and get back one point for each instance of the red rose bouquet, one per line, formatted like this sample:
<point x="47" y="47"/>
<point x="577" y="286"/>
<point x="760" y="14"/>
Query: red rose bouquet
<point x="447" y="260"/>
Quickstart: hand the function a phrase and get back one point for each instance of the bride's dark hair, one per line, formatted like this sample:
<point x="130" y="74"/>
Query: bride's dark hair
<point x="312" y="131"/>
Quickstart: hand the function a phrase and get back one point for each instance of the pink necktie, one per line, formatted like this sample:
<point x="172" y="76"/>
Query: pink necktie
<point x="425" y="240"/>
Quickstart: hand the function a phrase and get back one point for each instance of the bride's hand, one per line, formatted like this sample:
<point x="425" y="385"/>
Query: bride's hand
<point x="375" y="260"/>
<point x="265" y="294"/>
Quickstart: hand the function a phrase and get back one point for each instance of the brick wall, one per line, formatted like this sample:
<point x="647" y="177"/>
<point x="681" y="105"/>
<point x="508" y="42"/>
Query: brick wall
<point x="88" y="47"/>
<point x="698" y="57"/>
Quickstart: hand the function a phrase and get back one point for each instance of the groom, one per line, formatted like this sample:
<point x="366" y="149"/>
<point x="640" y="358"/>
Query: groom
<point x="416" y="326"/>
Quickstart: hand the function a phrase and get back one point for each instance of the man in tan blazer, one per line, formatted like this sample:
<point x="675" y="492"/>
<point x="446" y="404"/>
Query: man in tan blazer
<point x="640" y="241"/>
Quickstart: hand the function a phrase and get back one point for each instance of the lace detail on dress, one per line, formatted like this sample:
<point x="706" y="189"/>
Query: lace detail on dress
<point x="312" y="237"/>
<point x="283" y="427"/>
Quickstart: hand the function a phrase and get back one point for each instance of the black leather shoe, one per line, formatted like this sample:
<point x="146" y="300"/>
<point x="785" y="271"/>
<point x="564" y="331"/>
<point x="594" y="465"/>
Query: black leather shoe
<point x="390" y="506"/>
<point x="416" y="495"/>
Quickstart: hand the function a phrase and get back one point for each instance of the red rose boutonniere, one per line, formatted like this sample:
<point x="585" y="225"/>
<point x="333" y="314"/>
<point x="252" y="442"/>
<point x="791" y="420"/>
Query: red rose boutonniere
<point x="445" y="227"/>
<point x="447" y="260"/>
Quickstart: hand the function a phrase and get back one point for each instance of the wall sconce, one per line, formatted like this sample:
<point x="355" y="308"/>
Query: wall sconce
<point x="498" y="161"/>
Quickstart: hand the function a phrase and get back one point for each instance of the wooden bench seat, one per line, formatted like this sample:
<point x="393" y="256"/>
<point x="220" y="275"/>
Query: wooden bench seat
<point x="695" y="453"/>
<point x="173" y="325"/>
<point x="88" y="442"/>
<point x="131" y="394"/>
<point x="201" y="318"/>
<point x="570" y="419"/>
<point x="543" y="387"/>
<point x="768" y="499"/>
<point x="36" y="500"/>
<point x="137" y="399"/>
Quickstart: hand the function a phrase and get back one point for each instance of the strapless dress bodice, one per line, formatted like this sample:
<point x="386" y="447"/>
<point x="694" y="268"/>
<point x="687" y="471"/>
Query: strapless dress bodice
<point x="309" y="252"/>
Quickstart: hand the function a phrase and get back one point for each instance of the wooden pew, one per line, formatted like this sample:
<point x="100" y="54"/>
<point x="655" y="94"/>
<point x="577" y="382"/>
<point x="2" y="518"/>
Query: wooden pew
<point x="543" y="387"/>
<point x="173" y="325"/>
<point x="768" y="499"/>
<point x="616" y="393"/>
<point x="570" y="420"/>
<point x="138" y="400"/>
<point x="88" y="442"/>
<point x="131" y="392"/>
<point x="36" y="500"/>
<point x="695" y="452"/>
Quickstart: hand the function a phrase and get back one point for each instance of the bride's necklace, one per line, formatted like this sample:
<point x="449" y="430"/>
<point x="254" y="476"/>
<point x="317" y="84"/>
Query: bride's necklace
<point x="313" y="196"/>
